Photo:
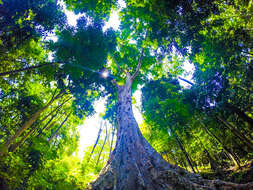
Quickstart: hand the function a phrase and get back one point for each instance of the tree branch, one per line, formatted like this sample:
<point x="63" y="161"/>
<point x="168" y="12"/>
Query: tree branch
<point x="122" y="70"/>
<point x="140" y="60"/>
<point x="27" y="68"/>
<point x="115" y="83"/>
<point x="185" y="80"/>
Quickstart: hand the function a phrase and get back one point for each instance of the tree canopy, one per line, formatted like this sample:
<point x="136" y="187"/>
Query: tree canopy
<point x="200" y="120"/>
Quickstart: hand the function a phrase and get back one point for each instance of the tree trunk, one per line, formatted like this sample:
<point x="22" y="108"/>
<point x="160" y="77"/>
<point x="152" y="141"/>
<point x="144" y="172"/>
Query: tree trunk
<point x="188" y="160"/>
<point x="135" y="165"/>
<point x="241" y="114"/>
<point x="173" y="157"/>
<point x="213" y="163"/>
<point x="98" y="137"/>
<point x="45" y="126"/>
<point x="25" y="126"/>
<point x="232" y="156"/>
<point x="113" y="132"/>
<point x="14" y="147"/>
<point x="102" y="146"/>
<point x="57" y="130"/>
<point x="236" y="132"/>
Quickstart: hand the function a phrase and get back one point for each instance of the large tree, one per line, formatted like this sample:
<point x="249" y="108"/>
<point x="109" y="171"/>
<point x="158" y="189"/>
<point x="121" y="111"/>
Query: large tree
<point x="134" y="164"/>
<point x="150" y="32"/>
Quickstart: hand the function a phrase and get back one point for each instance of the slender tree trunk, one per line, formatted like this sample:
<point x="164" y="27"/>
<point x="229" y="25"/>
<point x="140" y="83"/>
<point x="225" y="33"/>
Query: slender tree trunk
<point x="173" y="157"/>
<point x="231" y="154"/>
<point x="236" y="132"/>
<point x="17" y="145"/>
<point x="25" y="126"/>
<point x="241" y="114"/>
<point x="43" y="119"/>
<point x="45" y="126"/>
<point x="182" y="163"/>
<point x="57" y="130"/>
<point x="102" y="146"/>
<point x="98" y="137"/>
<point x="50" y="126"/>
<point x="57" y="109"/>
<point x="185" y="80"/>
<point x="188" y="160"/>
<point x="213" y="163"/>
<point x="113" y="132"/>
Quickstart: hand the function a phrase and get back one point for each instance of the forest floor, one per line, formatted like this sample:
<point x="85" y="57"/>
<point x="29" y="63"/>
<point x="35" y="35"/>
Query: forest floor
<point x="236" y="175"/>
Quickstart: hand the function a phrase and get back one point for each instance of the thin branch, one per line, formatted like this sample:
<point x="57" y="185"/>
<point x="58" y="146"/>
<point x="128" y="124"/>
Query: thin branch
<point x="122" y="70"/>
<point x="129" y="69"/>
<point x="98" y="137"/>
<point x="115" y="83"/>
<point x="54" y="93"/>
<point x="140" y="60"/>
<point x="27" y="68"/>
<point x="185" y="80"/>
<point x="102" y="145"/>
<point x="57" y="109"/>
<point x="113" y="132"/>
<point x="57" y="130"/>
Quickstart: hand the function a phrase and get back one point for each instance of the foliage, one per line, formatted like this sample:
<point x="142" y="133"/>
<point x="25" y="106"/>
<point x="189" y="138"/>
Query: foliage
<point x="206" y="126"/>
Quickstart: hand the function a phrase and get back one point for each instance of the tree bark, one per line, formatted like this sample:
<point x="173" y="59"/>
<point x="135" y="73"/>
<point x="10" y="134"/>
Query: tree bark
<point x="135" y="165"/>
<point x="133" y="158"/>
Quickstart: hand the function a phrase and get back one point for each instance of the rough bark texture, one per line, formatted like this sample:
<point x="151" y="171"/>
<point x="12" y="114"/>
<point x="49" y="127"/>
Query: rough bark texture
<point x="135" y="165"/>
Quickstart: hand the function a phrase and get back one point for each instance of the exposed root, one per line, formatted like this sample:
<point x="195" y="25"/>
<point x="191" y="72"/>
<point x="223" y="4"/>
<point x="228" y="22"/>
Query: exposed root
<point x="135" y="165"/>
<point x="172" y="179"/>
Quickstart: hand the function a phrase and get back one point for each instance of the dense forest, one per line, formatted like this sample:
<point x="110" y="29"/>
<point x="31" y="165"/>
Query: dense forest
<point x="197" y="129"/>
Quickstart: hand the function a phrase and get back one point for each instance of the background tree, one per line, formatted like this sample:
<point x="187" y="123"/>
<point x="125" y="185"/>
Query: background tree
<point x="155" y="37"/>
